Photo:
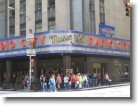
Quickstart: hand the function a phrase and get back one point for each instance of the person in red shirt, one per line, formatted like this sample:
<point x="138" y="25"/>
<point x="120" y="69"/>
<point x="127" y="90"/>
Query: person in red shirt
<point x="73" y="80"/>
<point x="58" y="81"/>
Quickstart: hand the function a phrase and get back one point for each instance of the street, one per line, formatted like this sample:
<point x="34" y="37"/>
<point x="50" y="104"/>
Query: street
<point x="119" y="91"/>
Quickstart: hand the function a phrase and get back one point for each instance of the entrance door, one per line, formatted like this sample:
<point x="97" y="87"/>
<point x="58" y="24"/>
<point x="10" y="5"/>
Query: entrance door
<point x="97" y="68"/>
<point x="75" y="69"/>
<point x="100" y="68"/>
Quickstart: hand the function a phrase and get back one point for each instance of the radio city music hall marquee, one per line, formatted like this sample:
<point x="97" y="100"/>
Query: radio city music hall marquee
<point x="68" y="38"/>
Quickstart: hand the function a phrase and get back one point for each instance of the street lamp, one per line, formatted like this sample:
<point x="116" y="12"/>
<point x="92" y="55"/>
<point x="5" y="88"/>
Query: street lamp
<point x="23" y="13"/>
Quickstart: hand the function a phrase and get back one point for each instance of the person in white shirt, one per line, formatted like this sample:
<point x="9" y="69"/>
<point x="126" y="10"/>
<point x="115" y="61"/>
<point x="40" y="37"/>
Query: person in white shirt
<point x="126" y="76"/>
<point x="66" y="82"/>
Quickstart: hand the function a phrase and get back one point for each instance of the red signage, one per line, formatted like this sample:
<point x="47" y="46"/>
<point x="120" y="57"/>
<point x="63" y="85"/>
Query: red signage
<point x="108" y="43"/>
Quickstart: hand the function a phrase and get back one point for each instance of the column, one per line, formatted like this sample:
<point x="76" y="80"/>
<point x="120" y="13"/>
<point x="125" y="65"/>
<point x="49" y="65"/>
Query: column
<point x="17" y="18"/>
<point x="86" y="16"/>
<point x="30" y="12"/>
<point x="44" y="15"/>
<point x="36" y="68"/>
<point x="97" y="16"/>
<point x="8" y="68"/>
<point x="77" y="15"/>
<point x="62" y="13"/>
<point x="85" y="70"/>
<point x="66" y="62"/>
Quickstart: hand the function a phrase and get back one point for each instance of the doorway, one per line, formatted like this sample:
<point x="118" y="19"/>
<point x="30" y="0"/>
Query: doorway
<point x="99" y="69"/>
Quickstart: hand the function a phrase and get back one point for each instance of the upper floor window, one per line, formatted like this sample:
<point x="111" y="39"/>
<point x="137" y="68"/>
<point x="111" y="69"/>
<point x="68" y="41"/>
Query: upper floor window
<point x="38" y="15"/>
<point x="23" y="17"/>
<point x="51" y="14"/>
<point x="102" y="11"/>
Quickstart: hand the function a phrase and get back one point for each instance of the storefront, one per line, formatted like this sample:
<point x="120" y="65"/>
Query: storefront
<point x="59" y="50"/>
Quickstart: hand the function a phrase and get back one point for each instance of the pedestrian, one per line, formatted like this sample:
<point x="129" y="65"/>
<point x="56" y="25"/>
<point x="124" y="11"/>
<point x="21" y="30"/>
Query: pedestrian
<point x="94" y="79"/>
<point x="77" y="81"/>
<point x="27" y="81"/>
<point x="58" y="81"/>
<point x="106" y="79"/>
<point x="126" y="75"/>
<point x="87" y="81"/>
<point x="81" y="81"/>
<point x="52" y="83"/>
<point x="98" y="79"/>
<point x="13" y="81"/>
<point x="91" y="82"/>
<point x="23" y="81"/>
<point x="73" y="81"/>
<point x="66" y="82"/>
<point x="44" y="85"/>
<point x="41" y="81"/>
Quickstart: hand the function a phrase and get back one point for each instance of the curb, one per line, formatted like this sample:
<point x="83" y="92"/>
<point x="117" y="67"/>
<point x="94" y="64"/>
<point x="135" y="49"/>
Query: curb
<point x="90" y="88"/>
<point x="101" y="87"/>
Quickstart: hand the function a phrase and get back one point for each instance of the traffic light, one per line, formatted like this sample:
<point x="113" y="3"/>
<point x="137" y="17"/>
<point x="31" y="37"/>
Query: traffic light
<point x="33" y="43"/>
<point x="127" y="5"/>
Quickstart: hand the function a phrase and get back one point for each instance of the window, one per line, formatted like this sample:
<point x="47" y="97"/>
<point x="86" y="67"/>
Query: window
<point x="51" y="2"/>
<point x="12" y="18"/>
<point x="12" y="2"/>
<point x="51" y="23"/>
<point x="23" y="29"/>
<point x="102" y="11"/>
<point x="92" y="15"/>
<point x="38" y="15"/>
<point x="51" y="14"/>
<point x="38" y="4"/>
<point x="12" y="21"/>
<point x="12" y="30"/>
<point x="38" y="27"/>
<point x="23" y="5"/>
<point x="22" y="17"/>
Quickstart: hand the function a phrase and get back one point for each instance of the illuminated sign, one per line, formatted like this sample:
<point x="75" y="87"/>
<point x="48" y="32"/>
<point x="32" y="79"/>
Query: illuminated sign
<point x="75" y="41"/>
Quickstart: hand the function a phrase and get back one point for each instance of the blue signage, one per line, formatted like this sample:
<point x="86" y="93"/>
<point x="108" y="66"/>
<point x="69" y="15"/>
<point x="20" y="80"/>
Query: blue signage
<point x="106" y="30"/>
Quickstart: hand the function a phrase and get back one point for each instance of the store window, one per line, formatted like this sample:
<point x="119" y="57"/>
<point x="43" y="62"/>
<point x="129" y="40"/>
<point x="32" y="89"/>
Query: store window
<point x="102" y="11"/>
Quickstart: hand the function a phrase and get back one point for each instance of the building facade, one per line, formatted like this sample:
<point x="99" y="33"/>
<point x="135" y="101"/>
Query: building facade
<point x="67" y="36"/>
<point x="80" y="15"/>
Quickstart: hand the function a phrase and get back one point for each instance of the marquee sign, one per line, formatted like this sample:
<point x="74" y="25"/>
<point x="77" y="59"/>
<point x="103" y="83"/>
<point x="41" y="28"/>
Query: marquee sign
<point x="66" y="42"/>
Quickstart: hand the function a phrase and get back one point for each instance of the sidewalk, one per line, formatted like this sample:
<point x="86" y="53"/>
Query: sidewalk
<point x="90" y="88"/>
<point x="106" y="86"/>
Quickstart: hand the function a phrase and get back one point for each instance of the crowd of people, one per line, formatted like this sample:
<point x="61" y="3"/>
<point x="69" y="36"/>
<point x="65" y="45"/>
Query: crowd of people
<point x="79" y="81"/>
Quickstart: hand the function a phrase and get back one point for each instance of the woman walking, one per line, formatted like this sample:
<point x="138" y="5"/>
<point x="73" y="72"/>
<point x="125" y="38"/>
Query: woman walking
<point x="52" y="83"/>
